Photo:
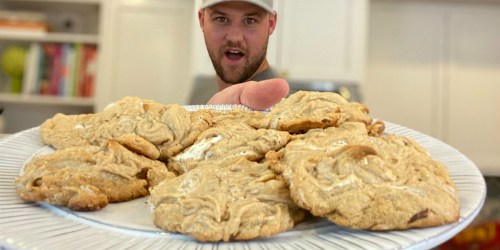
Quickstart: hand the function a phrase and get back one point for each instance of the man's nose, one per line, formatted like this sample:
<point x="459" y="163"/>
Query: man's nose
<point x="234" y="33"/>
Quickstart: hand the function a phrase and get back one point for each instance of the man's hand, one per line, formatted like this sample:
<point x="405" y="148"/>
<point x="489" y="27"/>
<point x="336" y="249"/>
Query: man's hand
<point x="257" y="95"/>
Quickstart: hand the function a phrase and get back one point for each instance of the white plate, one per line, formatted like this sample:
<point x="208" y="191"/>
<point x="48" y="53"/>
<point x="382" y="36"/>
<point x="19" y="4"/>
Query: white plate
<point x="128" y="225"/>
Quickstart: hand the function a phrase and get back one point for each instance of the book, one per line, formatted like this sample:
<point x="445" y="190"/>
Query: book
<point x="22" y="23"/>
<point x="76" y="68"/>
<point x="65" y="70"/>
<point x="55" y="69"/>
<point x="82" y="65"/>
<point x="45" y="69"/>
<point x="90" y="72"/>
<point x="31" y="68"/>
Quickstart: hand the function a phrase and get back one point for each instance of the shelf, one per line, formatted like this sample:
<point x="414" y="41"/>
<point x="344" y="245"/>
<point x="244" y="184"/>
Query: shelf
<point x="60" y="1"/>
<point x="46" y="100"/>
<point x="49" y="37"/>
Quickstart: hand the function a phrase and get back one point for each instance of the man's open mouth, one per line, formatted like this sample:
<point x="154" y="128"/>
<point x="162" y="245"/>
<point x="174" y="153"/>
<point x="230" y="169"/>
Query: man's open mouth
<point x="234" y="54"/>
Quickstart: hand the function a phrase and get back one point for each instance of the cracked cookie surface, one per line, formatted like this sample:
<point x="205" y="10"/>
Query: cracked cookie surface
<point x="89" y="177"/>
<point x="170" y="128"/>
<point x="306" y="110"/>
<point x="227" y="142"/>
<point x="365" y="182"/>
<point x="229" y="200"/>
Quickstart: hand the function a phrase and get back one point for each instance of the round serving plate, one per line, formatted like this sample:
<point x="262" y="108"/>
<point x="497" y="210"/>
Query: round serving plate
<point x="128" y="225"/>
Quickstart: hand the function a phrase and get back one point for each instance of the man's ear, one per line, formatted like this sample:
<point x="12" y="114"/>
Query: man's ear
<point x="201" y="18"/>
<point x="273" y="20"/>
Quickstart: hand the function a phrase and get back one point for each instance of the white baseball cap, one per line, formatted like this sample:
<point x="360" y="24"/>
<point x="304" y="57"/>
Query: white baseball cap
<point x="265" y="4"/>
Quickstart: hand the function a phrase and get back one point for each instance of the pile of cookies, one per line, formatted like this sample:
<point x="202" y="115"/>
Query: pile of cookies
<point x="241" y="174"/>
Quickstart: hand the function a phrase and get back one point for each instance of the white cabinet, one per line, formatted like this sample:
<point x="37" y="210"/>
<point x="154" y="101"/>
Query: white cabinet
<point x="318" y="40"/>
<point x="473" y="101"/>
<point x="434" y="67"/>
<point x="404" y="70"/>
<point x="146" y="51"/>
<point x="200" y="61"/>
<point x="322" y="39"/>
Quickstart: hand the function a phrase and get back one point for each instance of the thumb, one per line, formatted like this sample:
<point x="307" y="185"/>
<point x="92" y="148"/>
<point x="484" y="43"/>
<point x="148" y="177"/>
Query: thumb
<point x="256" y="95"/>
<point x="264" y="94"/>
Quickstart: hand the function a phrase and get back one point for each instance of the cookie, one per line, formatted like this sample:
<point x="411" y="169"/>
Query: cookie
<point x="230" y="117"/>
<point x="365" y="182"/>
<point x="138" y="145"/>
<point x="64" y="131"/>
<point x="225" y="201"/>
<point x="89" y="177"/>
<point x="224" y="143"/>
<point x="170" y="128"/>
<point x="306" y="110"/>
<point x="184" y="127"/>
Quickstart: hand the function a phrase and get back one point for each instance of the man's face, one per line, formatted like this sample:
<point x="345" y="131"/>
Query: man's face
<point x="236" y="35"/>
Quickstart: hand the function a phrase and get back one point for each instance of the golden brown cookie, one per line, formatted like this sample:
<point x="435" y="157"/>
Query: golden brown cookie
<point x="366" y="182"/>
<point x="64" y="131"/>
<point x="230" y="200"/>
<point x="138" y="145"/>
<point x="184" y="128"/>
<point x="170" y="128"/>
<point x="306" y="110"/>
<point x="89" y="177"/>
<point x="230" y="117"/>
<point x="223" y="143"/>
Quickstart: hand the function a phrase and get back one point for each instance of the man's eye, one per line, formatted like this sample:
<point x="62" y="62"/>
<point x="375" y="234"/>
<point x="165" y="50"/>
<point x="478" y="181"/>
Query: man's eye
<point x="221" y="19"/>
<point x="249" y="21"/>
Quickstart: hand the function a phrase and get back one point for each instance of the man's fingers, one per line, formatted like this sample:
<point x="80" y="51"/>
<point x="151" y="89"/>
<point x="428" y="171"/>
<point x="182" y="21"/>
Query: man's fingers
<point x="264" y="94"/>
<point x="257" y="95"/>
<point x="229" y="95"/>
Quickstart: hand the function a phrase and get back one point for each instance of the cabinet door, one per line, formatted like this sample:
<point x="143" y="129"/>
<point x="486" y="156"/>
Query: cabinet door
<point x="433" y="67"/>
<point x="474" y="86"/>
<point x="404" y="70"/>
<point x="147" y="51"/>
<point x="322" y="39"/>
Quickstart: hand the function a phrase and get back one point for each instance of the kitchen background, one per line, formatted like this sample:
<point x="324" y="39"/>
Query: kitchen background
<point x="433" y="66"/>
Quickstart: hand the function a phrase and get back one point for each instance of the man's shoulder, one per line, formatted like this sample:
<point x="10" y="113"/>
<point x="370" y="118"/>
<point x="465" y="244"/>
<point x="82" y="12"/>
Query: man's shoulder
<point x="268" y="73"/>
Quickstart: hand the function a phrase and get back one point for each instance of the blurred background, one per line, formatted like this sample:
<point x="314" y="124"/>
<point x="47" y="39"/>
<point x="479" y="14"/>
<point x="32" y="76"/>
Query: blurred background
<point x="430" y="65"/>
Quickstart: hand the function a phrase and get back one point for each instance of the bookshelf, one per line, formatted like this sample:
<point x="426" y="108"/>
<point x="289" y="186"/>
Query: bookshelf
<point x="46" y="100"/>
<point x="59" y="67"/>
<point x="52" y="38"/>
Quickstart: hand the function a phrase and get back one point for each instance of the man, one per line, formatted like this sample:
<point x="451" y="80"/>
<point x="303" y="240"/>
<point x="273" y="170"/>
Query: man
<point x="236" y="35"/>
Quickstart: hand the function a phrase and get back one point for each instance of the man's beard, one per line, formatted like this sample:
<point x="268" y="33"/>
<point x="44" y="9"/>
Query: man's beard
<point x="248" y="70"/>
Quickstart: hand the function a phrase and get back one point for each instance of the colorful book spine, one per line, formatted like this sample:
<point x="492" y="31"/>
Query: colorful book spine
<point x="55" y="70"/>
<point x="66" y="70"/>
<point x="62" y="69"/>
<point x="90" y="72"/>
<point x="45" y="68"/>
<point x="75" y="71"/>
<point x="31" y="68"/>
